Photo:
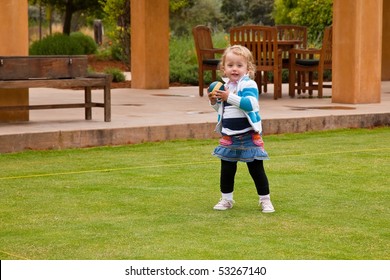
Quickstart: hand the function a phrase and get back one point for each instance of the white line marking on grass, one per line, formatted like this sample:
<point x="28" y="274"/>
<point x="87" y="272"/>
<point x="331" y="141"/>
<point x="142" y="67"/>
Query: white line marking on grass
<point x="13" y="255"/>
<point x="101" y="170"/>
<point x="173" y="164"/>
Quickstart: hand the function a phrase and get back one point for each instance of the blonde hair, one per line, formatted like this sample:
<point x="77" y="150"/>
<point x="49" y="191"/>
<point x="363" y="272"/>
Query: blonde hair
<point x="241" y="51"/>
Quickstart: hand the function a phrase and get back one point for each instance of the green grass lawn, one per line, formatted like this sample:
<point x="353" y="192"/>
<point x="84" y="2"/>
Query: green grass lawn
<point x="331" y="191"/>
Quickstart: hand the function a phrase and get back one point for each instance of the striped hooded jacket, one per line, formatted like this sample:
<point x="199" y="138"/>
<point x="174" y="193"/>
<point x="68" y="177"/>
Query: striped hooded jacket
<point x="246" y="99"/>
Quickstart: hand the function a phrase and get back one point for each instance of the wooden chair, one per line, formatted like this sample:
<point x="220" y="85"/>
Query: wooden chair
<point x="206" y="54"/>
<point x="291" y="33"/>
<point x="262" y="42"/>
<point x="309" y="61"/>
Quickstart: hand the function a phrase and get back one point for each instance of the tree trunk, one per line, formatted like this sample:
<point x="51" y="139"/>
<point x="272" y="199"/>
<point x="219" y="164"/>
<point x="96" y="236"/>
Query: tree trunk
<point x="68" y="17"/>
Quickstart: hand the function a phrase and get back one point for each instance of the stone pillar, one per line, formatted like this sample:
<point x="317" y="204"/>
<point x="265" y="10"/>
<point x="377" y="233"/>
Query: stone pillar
<point x="357" y="51"/>
<point x="150" y="44"/>
<point x="386" y="42"/>
<point x="14" y="42"/>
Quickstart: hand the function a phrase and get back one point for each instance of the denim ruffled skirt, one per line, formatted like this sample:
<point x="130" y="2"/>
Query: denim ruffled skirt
<point x="245" y="147"/>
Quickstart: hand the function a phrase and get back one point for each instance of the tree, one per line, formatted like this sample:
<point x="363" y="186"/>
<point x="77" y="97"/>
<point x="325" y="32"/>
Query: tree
<point x="261" y="11"/>
<point x="175" y="5"/>
<point x="240" y="12"/>
<point x="69" y="7"/>
<point x="282" y="8"/>
<point x="315" y="14"/>
<point x="179" y="16"/>
<point x="117" y="18"/>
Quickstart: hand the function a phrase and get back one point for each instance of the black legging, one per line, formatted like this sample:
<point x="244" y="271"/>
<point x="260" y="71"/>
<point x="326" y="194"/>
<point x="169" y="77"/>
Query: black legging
<point x="256" y="170"/>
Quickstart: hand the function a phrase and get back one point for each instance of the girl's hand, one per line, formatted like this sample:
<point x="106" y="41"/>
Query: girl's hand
<point x="212" y="97"/>
<point x="222" y="95"/>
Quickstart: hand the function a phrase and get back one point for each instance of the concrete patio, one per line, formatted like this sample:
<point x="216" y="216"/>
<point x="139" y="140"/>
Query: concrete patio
<point x="175" y="113"/>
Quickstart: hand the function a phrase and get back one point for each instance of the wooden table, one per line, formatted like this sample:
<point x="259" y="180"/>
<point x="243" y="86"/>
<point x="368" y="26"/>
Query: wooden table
<point x="268" y="52"/>
<point x="286" y="45"/>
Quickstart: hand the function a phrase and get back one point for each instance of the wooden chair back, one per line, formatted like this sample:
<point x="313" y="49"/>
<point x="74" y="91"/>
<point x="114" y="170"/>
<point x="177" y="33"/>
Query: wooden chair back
<point x="206" y="54"/>
<point x="291" y="32"/>
<point x="203" y="41"/>
<point x="262" y="42"/>
<point x="326" y="50"/>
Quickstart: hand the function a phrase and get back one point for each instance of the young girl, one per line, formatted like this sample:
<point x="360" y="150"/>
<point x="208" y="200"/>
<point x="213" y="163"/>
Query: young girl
<point x="239" y="123"/>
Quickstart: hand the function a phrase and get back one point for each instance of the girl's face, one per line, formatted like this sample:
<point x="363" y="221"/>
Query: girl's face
<point x="235" y="66"/>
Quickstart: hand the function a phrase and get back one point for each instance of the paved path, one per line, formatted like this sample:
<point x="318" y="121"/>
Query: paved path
<point x="178" y="112"/>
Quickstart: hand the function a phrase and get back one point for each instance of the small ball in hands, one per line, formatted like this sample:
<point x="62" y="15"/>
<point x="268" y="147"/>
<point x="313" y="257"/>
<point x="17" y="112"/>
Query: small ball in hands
<point x="214" y="86"/>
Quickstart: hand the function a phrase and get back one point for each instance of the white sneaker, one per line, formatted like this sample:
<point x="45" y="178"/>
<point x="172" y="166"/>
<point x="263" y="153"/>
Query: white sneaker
<point x="224" y="204"/>
<point x="266" y="206"/>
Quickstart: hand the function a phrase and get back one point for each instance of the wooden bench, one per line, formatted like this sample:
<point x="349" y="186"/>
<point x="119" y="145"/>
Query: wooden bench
<point x="55" y="72"/>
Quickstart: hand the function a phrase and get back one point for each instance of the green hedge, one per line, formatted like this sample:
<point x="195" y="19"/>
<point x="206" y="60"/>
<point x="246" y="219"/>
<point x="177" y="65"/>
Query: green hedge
<point x="87" y="42"/>
<point x="61" y="44"/>
<point x="183" y="61"/>
<point x="117" y="74"/>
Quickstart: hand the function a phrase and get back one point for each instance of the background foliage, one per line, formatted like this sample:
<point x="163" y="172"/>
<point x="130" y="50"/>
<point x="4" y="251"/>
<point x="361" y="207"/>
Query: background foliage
<point x="220" y="15"/>
<point x="69" y="7"/>
<point x="61" y="44"/>
<point x="315" y="14"/>
<point x="117" y="19"/>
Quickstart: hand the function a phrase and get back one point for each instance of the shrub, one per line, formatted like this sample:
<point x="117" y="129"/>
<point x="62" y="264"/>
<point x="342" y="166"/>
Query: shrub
<point x="185" y="74"/>
<point x="56" y="44"/>
<point x="117" y="53"/>
<point x="61" y="44"/>
<point x="87" y="42"/>
<point x="103" y="54"/>
<point x="183" y="61"/>
<point x="270" y="76"/>
<point x="117" y="74"/>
